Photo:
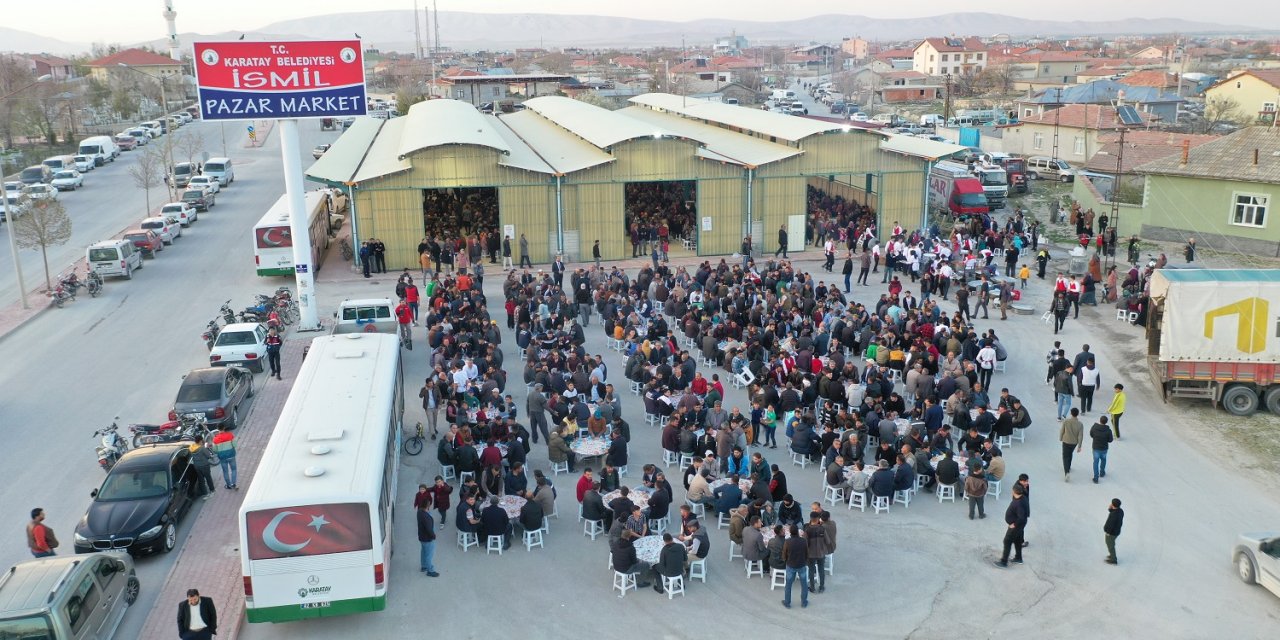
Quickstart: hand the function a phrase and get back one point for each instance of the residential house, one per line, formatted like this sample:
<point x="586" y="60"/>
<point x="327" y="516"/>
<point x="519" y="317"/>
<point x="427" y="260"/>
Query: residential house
<point x="108" y="68"/>
<point x="700" y="75"/>
<point x="730" y="45"/>
<point x="1221" y="195"/>
<point x="1034" y="71"/>
<point x="1140" y="147"/>
<point x="954" y="56"/>
<point x="1076" y="126"/>
<point x="856" y="48"/>
<point x="56" y="68"/>
<point x="1157" y="79"/>
<point x="1256" y="92"/>
<point x="896" y="59"/>
<point x="1164" y="53"/>
<point x="1159" y="104"/>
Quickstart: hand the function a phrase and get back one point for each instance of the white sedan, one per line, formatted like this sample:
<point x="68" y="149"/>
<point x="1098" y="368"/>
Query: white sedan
<point x="205" y="182"/>
<point x="67" y="180"/>
<point x="40" y="191"/>
<point x="1257" y="559"/>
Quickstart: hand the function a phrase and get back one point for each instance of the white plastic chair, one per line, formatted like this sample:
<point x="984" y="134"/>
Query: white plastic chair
<point x="832" y="495"/>
<point x="623" y="582"/>
<point x="755" y="568"/>
<point x="467" y="540"/>
<point x="698" y="570"/>
<point x="673" y="585"/>
<point x="880" y="503"/>
<point x="858" y="499"/>
<point x="533" y="539"/>
<point x="946" y="492"/>
<point x="593" y="528"/>
<point x="494" y="544"/>
<point x="777" y="579"/>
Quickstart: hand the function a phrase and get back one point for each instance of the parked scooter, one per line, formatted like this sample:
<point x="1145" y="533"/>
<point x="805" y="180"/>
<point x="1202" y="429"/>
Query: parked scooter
<point x="93" y="282"/>
<point x="186" y="427"/>
<point x="228" y="316"/>
<point x="211" y="332"/>
<point x="61" y="294"/>
<point x="111" y="447"/>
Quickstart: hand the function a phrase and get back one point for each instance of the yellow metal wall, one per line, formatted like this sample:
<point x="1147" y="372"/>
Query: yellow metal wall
<point x="597" y="213"/>
<point x="395" y="218"/>
<point x="853" y="151"/>
<point x="724" y="202"/>
<point x="776" y="199"/>
<point x="532" y="210"/>
<point x="901" y="200"/>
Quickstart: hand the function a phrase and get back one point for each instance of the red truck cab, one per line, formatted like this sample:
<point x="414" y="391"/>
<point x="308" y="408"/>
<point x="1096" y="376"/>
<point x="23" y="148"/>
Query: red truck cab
<point x="968" y="198"/>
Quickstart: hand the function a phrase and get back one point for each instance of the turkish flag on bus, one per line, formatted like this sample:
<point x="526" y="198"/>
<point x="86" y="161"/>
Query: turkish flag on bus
<point x="309" y="530"/>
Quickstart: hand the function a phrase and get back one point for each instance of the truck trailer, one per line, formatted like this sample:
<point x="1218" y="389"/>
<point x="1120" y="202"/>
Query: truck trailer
<point x="953" y="188"/>
<point x="1215" y="334"/>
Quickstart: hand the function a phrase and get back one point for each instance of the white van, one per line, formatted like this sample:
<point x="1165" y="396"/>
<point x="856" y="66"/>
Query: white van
<point x="221" y="170"/>
<point x="102" y="149"/>
<point x="369" y="315"/>
<point x="72" y="597"/>
<point x="114" y="258"/>
<point x="1044" y="167"/>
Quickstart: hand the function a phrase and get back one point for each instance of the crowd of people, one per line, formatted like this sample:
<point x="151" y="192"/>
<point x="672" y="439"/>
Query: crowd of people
<point x="656" y="212"/>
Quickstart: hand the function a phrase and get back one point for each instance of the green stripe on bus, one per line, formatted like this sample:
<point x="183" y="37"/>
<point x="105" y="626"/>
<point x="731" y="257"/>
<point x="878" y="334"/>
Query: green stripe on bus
<point x="281" y="271"/>
<point x="336" y="608"/>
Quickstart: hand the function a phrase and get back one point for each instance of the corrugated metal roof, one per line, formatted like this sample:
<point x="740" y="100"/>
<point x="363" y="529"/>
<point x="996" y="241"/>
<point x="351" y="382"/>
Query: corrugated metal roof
<point x="434" y="123"/>
<point x="768" y="123"/>
<point x="383" y="158"/>
<point x="341" y="161"/>
<point x="723" y="144"/>
<point x="521" y="155"/>
<point x="561" y="149"/>
<point x="920" y="147"/>
<point x="596" y="125"/>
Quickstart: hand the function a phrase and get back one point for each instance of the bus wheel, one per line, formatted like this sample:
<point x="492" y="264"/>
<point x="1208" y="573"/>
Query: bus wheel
<point x="1240" y="400"/>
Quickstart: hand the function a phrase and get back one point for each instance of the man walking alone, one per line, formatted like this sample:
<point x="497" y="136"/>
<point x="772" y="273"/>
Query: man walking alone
<point x="427" y="537"/>
<point x="1015" y="516"/>
<point x="1115" y="520"/>
<point x="1071" y="433"/>
<point x="224" y="444"/>
<point x="1101" y="435"/>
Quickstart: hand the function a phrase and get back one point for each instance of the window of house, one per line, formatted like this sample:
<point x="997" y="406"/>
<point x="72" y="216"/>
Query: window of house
<point x="955" y="70"/>
<point x="979" y="57"/>
<point x="1269" y="107"/>
<point x="1079" y="146"/>
<point x="1037" y="141"/>
<point x="1250" y="210"/>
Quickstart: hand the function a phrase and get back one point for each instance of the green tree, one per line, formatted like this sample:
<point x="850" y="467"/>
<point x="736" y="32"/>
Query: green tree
<point x="45" y="225"/>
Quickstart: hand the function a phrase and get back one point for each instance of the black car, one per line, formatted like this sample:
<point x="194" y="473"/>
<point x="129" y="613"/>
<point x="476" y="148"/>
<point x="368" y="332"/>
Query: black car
<point x="138" y="506"/>
<point x="217" y="393"/>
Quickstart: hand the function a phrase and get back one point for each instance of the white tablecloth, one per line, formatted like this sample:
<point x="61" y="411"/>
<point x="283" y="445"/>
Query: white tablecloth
<point x="648" y="549"/>
<point x="638" y="497"/>
<point x="590" y="447"/>
<point x="512" y="505"/>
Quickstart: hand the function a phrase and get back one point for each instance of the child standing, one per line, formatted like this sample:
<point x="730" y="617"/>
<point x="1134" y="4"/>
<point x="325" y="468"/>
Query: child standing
<point x="1023" y="274"/>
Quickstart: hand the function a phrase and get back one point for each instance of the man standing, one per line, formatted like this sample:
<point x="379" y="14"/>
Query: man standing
<point x="1090" y="376"/>
<point x="202" y="460"/>
<point x="815" y="536"/>
<point x="557" y="271"/>
<point x="404" y="318"/>
<point x="782" y="242"/>
<point x="506" y="253"/>
<point x="1101" y="435"/>
<point x="427" y="537"/>
<point x="1190" y="253"/>
<point x="1071" y="433"/>
<point x="1015" y="516"/>
<point x="379" y="255"/>
<point x="1115" y="520"/>
<point x="795" y="555"/>
<point x="595" y="253"/>
<point x="40" y="538"/>
<point x="197" y="618"/>
<point x="524" y="252"/>
<point x="273" y="342"/>
<point x="1063" y="386"/>
<point x="847" y="270"/>
<point x="224" y="444"/>
<point x="864" y="268"/>
<point x="536" y="406"/>
<point x="366" y="256"/>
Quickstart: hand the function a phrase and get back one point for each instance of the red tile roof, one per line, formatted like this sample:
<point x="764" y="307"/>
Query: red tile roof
<point x="944" y="45"/>
<point x="736" y="62"/>
<point x="634" y="62"/>
<point x="134" y="58"/>
<point x="903" y="75"/>
<point x="692" y="66"/>
<point x="1080" y="116"/>
<point x="1150" y="78"/>
<point x="889" y="54"/>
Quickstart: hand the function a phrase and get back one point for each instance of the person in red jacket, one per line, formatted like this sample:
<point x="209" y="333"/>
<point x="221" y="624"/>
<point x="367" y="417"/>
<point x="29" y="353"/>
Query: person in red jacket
<point x="440" y="499"/>
<point x="404" y="316"/>
<point x="584" y="483"/>
<point x="412" y="296"/>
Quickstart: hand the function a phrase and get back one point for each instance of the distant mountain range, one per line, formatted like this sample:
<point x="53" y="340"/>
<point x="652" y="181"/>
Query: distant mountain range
<point x="393" y="30"/>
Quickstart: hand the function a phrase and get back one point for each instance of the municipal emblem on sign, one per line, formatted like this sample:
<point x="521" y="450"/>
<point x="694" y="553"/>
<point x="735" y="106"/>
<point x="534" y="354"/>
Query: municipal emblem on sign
<point x="275" y="80"/>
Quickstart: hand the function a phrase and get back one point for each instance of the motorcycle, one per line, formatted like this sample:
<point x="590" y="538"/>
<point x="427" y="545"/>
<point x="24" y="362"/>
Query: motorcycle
<point x="61" y="294"/>
<point x="94" y="283"/>
<point x="228" y="316"/>
<point x="187" y="427"/>
<point x="111" y="448"/>
<point x="250" y="315"/>
<point x="210" y="334"/>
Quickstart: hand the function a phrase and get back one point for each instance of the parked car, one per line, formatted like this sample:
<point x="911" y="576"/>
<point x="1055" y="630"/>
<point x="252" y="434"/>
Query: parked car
<point x="18" y="204"/>
<point x="141" y="135"/>
<point x="182" y="211"/>
<point x="154" y="128"/>
<point x="68" y="180"/>
<point x="205" y="182"/>
<point x="1257" y="559"/>
<point x="53" y="598"/>
<point x="199" y="199"/>
<point x="85" y="164"/>
<point x="1039" y="167"/>
<point x="13" y="188"/>
<point x="118" y="257"/>
<point x="182" y="173"/>
<point x="36" y="174"/>
<point x="243" y="343"/>
<point x="162" y="226"/>
<point x="320" y="150"/>
<point x="146" y="241"/>
<point x="217" y="393"/>
<point x="139" y="505"/>
<point x="41" y="191"/>
<point x="220" y="169"/>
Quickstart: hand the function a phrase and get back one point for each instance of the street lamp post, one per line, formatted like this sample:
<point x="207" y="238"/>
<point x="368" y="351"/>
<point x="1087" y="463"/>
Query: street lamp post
<point x="11" y="214"/>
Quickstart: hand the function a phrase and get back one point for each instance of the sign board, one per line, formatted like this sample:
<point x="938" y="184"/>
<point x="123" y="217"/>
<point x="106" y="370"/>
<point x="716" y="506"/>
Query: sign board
<point x="509" y="231"/>
<point x="275" y="80"/>
<point x="706" y="223"/>
<point x="299" y="268"/>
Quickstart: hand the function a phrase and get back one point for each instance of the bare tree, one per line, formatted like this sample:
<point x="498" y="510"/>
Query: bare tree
<point x="1223" y="111"/>
<point x="148" y="172"/>
<point x="188" y="145"/>
<point x="13" y="76"/>
<point x="45" y="225"/>
<point x="996" y="78"/>
<point x="554" y="62"/>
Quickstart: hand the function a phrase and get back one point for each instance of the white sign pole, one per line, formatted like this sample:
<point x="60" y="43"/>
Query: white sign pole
<point x="291" y="154"/>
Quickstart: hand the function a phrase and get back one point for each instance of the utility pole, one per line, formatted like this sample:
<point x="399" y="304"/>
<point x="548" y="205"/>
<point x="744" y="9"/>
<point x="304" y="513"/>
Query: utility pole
<point x="946" y="102"/>
<point x="435" y="20"/>
<point x="417" y="30"/>
<point x="1110" y="260"/>
<point x="1057" y="120"/>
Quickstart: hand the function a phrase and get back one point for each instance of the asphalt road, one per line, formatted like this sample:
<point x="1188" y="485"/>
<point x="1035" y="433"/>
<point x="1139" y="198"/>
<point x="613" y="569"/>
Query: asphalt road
<point x="70" y="370"/>
<point x="922" y="572"/>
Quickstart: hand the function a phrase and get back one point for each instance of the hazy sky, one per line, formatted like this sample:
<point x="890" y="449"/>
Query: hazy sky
<point x="137" y="20"/>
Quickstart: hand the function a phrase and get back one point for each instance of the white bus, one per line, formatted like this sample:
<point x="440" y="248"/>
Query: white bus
<point x="273" y="241"/>
<point x="315" y="525"/>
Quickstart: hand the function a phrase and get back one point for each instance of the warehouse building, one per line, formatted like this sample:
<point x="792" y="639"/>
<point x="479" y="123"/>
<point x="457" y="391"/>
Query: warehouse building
<point x="564" y="174"/>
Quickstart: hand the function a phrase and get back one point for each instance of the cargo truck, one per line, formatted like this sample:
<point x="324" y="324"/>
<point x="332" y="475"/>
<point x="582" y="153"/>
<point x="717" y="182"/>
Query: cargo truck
<point x="995" y="182"/>
<point x="953" y="188"/>
<point x="1215" y="334"/>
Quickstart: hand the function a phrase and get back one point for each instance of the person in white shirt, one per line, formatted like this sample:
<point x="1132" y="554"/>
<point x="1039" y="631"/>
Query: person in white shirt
<point x="1090" y="378"/>
<point x="197" y="617"/>
<point x="875" y="258"/>
<point x="986" y="364"/>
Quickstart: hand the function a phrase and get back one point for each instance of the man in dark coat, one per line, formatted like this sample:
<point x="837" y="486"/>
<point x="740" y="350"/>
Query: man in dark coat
<point x="197" y="617"/>
<point x="1015" y="516"/>
<point x="670" y="561"/>
<point x="1115" y="520"/>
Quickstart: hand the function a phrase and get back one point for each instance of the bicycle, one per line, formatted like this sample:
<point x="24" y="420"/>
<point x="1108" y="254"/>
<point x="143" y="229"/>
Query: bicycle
<point x="414" y="443"/>
<point x="345" y="245"/>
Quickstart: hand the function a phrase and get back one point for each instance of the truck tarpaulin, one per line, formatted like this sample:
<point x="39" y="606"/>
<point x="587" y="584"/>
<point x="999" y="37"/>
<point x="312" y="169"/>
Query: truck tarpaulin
<point x="1223" y="315"/>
